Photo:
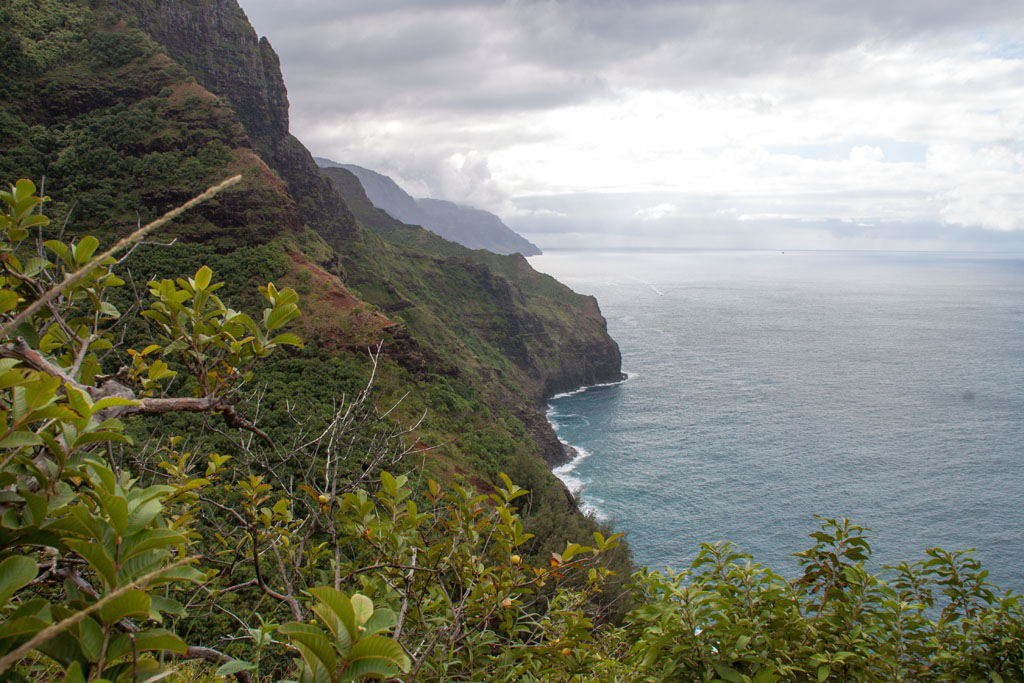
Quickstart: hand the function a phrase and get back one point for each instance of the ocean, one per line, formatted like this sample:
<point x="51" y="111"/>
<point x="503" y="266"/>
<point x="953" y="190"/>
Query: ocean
<point x="767" y="387"/>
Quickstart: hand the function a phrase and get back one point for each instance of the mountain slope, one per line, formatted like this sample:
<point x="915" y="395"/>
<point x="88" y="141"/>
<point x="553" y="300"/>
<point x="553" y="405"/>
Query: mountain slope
<point x="123" y="128"/>
<point x="469" y="227"/>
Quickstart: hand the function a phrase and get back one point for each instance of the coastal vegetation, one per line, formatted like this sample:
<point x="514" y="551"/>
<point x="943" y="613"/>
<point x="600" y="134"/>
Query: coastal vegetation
<point x="124" y="554"/>
<point x="282" y="436"/>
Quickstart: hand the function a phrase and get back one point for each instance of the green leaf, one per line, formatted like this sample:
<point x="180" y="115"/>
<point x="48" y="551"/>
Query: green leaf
<point x="16" y="572"/>
<point x="21" y="627"/>
<point x="203" y="277"/>
<point x="20" y="439"/>
<point x="117" y="510"/>
<point x="287" y="338"/>
<point x="90" y="637"/>
<point x="85" y="249"/>
<point x="233" y="667"/>
<point x="74" y="673"/>
<point x="153" y="639"/>
<point x="97" y="557"/>
<point x="340" y="605"/>
<point x="375" y="656"/>
<point x="382" y="620"/>
<point x="159" y="605"/>
<point x="143" y="515"/>
<point x="314" y="640"/>
<point x="109" y="309"/>
<point x="8" y="300"/>
<point x="130" y="604"/>
<point x="279" y="316"/>
<point x="113" y="401"/>
<point x="363" y="608"/>
<point x="151" y="540"/>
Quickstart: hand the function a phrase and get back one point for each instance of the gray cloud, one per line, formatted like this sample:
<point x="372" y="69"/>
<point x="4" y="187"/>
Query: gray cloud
<point x="810" y="104"/>
<point x="477" y="56"/>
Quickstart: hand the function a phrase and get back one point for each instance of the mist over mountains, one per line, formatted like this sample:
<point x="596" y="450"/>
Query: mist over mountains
<point x="473" y="228"/>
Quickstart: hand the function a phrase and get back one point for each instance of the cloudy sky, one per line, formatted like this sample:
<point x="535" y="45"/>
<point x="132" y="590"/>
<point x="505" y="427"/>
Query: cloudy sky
<point x="865" y="124"/>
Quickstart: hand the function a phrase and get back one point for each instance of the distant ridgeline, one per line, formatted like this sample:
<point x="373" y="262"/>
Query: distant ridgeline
<point x="469" y="227"/>
<point x="129" y="107"/>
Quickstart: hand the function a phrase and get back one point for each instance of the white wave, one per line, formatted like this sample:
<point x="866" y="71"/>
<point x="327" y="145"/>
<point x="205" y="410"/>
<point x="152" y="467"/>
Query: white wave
<point x="592" y="509"/>
<point x="576" y="392"/>
<point x="566" y="472"/>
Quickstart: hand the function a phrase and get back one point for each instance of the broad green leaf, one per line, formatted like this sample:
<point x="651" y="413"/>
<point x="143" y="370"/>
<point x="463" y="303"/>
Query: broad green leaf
<point x="287" y="338"/>
<point x="203" y="277"/>
<point x="20" y="627"/>
<point x="90" y="637"/>
<point x="375" y="656"/>
<point x="35" y="265"/>
<point x="342" y="639"/>
<point x="109" y="309"/>
<point x="8" y="300"/>
<point x="279" y="316"/>
<point x="74" y="673"/>
<point x="340" y="604"/>
<point x="314" y="640"/>
<point x="117" y="510"/>
<point x="131" y="604"/>
<point x="382" y="620"/>
<point x="727" y="672"/>
<point x="85" y="249"/>
<point x="113" y="401"/>
<point x="159" y="605"/>
<point x="153" y="639"/>
<point x="97" y="557"/>
<point x="143" y="515"/>
<point x="363" y="608"/>
<point x="21" y="439"/>
<point x="16" y="572"/>
<point x="57" y="247"/>
<point x="233" y="667"/>
<point x="151" y="540"/>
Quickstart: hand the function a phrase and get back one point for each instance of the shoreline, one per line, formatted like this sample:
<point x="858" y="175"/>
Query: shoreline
<point x="577" y="454"/>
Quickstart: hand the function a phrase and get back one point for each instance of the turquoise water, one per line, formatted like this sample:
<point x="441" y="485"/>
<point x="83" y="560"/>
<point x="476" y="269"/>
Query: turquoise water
<point x="766" y="387"/>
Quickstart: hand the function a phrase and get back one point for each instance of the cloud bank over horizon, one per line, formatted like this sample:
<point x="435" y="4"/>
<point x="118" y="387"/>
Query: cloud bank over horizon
<point x="770" y="123"/>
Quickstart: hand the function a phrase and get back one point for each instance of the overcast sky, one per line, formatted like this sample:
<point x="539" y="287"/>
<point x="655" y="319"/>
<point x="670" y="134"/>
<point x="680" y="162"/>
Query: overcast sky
<point x="893" y="124"/>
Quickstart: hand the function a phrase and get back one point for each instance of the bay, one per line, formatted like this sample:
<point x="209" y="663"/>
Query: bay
<point x="768" y="387"/>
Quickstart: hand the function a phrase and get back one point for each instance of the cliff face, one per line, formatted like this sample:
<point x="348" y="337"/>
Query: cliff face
<point x="555" y="339"/>
<point x="214" y="41"/>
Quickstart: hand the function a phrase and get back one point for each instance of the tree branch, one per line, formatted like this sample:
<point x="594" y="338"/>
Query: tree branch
<point x="20" y="350"/>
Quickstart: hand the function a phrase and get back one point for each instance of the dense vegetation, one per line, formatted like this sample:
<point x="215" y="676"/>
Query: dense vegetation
<point x="118" y="559"/>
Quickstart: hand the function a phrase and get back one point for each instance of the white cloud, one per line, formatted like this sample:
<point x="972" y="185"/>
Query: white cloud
<point x="656" y="213"/>
<point x="771" y="107"/>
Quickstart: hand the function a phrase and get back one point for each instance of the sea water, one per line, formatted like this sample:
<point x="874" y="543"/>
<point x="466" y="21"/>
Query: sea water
<point x="767" y="387"/>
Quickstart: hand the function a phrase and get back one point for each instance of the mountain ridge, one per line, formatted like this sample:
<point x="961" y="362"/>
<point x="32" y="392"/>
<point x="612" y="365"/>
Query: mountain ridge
<point x="469" y="226"/>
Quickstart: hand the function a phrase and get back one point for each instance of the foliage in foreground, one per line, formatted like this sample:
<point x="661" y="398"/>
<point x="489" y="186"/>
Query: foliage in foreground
<point x="120" y="562"/>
